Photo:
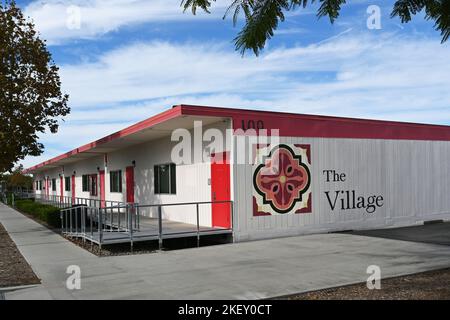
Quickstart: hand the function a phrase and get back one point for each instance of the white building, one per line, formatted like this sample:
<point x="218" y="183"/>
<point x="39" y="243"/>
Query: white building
<point x="333" y="174"/>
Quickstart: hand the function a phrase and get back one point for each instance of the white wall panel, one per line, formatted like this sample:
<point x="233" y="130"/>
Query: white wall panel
<point x="192" y="179"/>
<point x="412" y="176"/>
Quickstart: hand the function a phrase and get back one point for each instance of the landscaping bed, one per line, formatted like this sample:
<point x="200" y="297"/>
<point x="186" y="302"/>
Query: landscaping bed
<point x="14" y="269"/>
<point x="143" y="247"/>
<point x="431" y="285"/>
<point x="43" y="213"/>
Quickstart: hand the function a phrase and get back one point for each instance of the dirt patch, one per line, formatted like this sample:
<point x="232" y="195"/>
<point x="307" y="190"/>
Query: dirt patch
<point x="14" y="269"/>
<point x="142" y="247"/>
<point x="431" y="285"/>
<point x="115" y="249"/>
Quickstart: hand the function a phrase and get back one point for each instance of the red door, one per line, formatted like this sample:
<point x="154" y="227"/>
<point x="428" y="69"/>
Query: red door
<point x="130" y="184"/>
<point x="73" y="188"/>
<point x="102" y="188"/>
<point x="61" y="188"/>
<point x="220" y="190"/>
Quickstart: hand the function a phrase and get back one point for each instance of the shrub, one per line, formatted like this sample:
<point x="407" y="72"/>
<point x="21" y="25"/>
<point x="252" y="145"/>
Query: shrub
<point x="43" y="212"/>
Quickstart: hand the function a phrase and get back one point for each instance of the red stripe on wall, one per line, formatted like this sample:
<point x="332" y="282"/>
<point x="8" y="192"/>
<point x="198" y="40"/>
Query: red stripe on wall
<point x="288" y="124"/>
<point x="299" y="125"/>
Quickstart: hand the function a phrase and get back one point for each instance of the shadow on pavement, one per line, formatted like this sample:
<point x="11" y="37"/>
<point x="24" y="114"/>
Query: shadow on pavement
<point x="435" y="233"/>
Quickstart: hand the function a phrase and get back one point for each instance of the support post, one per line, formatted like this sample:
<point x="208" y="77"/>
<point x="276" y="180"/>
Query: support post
<point x="62" y="220"/>
<point x="160" y="241"/>
<point x="71" y="214"/>
<point x="91" y="225"/>
<point x="130" y="224"/>
<point x="83" y="224"/>
<point x="198" y="226"/>
<point x="100" y="229"/>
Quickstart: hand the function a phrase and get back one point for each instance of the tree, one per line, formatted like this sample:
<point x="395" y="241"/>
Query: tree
<point x="263" y="16"/>
<point x="31" y="101"/>
<point x="16" y="180"/>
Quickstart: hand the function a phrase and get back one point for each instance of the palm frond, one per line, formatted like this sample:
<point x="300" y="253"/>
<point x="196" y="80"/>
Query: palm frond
<point x="436" y="10"/>
<point x="260" y="25"/>
<point x="237" y="5"/>
<point x="194" y="4"/>
<point x="405" y="9"/>
<point x="330" y="8"/>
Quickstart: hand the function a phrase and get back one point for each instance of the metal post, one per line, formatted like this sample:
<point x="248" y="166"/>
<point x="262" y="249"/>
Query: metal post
<point x="76" y="220"/>
<point x="130" y="224"/>
<point x="118" y="221"/>
<point x="232" y="214"/>
<point x="83" y="224"/>
<point x="112" y="219"/>
<point x="138" y="217"/>
<point x="160" y="240"/>
<point x="232" y="219"/>
<point x="62" y="220"/>
<point x="198" y="226"/>
<point x="90" y="222"/>
<point x="71" y="214"/>
<point x="100" y="228"/>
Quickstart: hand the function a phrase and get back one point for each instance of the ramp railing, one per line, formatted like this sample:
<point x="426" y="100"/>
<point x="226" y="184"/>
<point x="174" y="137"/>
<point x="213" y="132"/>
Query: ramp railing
<point x="67" y="201"/>
<point x="92" y="223"/>
<point x="122" y="223"/>
<point x="227" y="208"/>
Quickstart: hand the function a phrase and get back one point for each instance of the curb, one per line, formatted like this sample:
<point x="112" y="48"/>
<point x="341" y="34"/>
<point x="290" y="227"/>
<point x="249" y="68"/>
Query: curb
<point x="9" y="289"/>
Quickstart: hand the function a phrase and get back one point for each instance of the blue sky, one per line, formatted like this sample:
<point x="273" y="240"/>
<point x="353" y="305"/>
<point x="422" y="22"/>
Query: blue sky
<point x="131" y="59"/>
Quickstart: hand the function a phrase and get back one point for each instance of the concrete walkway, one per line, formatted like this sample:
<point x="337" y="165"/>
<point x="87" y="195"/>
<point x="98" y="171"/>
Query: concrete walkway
<point x="250" y="270"/>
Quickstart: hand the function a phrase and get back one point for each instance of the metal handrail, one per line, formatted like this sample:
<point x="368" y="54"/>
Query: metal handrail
<point x="125" y="219"/>
<point x="62" y="201"/>
<point x="197" y="204"/>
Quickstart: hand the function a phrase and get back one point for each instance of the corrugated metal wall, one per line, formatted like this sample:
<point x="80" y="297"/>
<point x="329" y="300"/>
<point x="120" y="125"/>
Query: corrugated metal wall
<point x="412" y="176"/>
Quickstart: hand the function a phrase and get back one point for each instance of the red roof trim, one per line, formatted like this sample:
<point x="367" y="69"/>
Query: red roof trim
<point x="232" y="112"/>
<point x="311" y="126"/>
<point x="301" y="125"/>
<point x="159" y="118"/>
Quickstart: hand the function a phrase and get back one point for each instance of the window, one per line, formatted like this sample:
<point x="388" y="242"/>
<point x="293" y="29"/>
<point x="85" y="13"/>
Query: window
<point x="165" y="179"/>
<point x="37" y="184"/>
<point x="85" y="183"/>
<point x="40" y="184"/>
<point x="93" y="184"/>
<point x="53" y="184"/>
<point x="67" y="183"/>
<point x="115" y="181"/>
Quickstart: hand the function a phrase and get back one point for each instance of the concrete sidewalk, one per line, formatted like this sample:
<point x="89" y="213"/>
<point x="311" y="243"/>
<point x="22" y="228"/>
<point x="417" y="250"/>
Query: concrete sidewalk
<point x="250" y="270"/>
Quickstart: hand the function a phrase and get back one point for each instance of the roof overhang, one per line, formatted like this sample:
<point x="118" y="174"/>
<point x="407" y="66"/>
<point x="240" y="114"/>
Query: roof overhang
<point x="183" y="116"/>
<point x="154" y="128"/>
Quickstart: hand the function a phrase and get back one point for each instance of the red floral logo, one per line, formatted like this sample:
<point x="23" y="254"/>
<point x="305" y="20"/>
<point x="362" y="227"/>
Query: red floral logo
<point x="282" y="180"/>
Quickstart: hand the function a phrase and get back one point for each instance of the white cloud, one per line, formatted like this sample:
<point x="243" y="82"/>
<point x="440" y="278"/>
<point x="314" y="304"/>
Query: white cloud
<point x="352" y="72"/>
<point x="98" y="17"/>
<point x="357" y="75"/>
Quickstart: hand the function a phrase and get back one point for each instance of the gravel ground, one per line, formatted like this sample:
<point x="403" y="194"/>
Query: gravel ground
<point x="14" y="269"/>
<point x="116" y="249"/>
<point x="432" y="285"/>
<point x="143" y="247"/>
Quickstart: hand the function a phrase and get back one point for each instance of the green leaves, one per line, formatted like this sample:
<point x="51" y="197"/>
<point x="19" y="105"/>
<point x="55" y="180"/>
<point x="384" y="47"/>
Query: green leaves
<point x="194" y="4"/>
<point x="436" y="10"/>
<point x="31" y="100"/>
<point x="262" y="17"/>
<point x="260" y="25"/>
<point x="330" y="8"/>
